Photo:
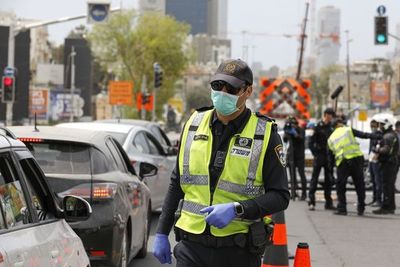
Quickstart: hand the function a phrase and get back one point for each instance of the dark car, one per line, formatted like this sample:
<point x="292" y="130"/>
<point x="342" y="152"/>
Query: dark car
<point x="33" y="231"/>
<point x="92" y="165"/>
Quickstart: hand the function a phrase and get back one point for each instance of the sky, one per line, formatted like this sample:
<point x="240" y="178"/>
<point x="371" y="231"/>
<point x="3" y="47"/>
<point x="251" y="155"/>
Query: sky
<point x="252" y="16"/>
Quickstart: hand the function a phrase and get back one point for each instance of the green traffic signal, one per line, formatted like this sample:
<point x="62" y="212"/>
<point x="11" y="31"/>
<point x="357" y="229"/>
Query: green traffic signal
<point x="381" y="38"/>
<point x="381" y="30"/>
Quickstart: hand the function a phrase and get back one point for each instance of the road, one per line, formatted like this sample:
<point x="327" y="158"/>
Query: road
<point x="348" y="241"/>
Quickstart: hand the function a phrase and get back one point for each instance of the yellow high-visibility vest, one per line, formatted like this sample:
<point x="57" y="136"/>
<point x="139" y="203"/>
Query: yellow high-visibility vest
<point x="343" y="144"/>
<point x="241" y="178"/>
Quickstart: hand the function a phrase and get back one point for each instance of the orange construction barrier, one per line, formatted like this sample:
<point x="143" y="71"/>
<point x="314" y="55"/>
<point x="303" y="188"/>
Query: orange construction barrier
<point x="276" y="255"/>
<point x="302" y="258"/>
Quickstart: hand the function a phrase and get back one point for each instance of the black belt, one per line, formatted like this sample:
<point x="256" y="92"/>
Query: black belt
<point x="239" y="240"/>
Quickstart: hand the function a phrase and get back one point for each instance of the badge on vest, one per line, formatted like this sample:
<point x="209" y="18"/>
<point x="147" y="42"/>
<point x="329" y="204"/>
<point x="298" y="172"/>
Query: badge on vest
<point x="243" y="142"/>
<point x="200" y="137"/>
<point x="281" y="154"/>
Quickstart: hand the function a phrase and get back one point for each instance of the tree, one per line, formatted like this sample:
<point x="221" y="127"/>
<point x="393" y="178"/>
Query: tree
<point x="128" y="45"/>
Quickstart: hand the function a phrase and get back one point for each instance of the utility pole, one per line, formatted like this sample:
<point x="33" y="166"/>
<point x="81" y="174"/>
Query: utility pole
<point x="143" y="90"/>
<point x="348" y="69"/>
<point x="303" y="36"/>
<point x="72" y="55"/>
<point x="10" y="62"/>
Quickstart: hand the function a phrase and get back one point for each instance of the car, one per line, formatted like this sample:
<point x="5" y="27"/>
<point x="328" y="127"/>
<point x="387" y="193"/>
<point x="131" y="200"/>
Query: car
<point x="142" y="147"/>
<point x="152" y="126"/>
<point x="33" y="227"/>
<point x="91" y="164"/>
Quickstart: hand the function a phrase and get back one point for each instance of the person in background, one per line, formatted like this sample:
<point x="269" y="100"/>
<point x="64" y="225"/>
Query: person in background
<point x="397" y="129"/>
<point x="322" y="159"/>
<point x="373" y="166"/>
<point x="349" y="161"/>
<point x="295" y="135"/>
<point x="388" y="159"/>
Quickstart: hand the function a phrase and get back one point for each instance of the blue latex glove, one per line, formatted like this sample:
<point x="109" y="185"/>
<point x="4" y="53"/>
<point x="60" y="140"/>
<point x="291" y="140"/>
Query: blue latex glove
<point x="219" y="215"/>
<point x="162" y="249"/>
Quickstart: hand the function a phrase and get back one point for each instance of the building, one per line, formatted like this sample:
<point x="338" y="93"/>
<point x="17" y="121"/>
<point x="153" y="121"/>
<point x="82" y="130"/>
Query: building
<point x="327" y="38"/>
<point x="204" y="16"/>
<point x="210" y="49"/>
<point x="152" y="5"/>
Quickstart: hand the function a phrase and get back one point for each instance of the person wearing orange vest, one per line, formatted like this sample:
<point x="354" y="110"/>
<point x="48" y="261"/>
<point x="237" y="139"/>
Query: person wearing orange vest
<point x="230" y="174"/>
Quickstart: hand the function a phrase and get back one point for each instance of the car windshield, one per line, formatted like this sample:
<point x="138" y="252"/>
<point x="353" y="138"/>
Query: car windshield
<point x="61" y="157"/>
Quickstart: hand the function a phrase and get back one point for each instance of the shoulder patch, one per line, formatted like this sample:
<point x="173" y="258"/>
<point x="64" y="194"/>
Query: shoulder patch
<point x="280" y="153"/>
<point x="258" y="114"/>
<point x="202" y="109"/>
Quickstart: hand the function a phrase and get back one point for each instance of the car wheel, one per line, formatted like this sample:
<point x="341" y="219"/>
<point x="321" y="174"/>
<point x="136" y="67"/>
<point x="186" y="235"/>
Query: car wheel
<point x="124" y="250"/>
<point x="143" y="251"/>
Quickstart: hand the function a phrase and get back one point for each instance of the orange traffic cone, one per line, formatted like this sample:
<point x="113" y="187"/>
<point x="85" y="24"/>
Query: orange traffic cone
<point x="276" y="255"/>
<point x="302" y="258"/>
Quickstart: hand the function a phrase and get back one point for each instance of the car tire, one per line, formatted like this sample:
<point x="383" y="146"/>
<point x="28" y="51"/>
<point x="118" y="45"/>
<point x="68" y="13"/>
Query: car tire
<point x="143" y="251"/>
<point x="124" y="260"/>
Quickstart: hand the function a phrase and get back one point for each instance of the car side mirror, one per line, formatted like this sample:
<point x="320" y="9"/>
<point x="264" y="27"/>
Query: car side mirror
<point x="76" y="209"/>
<point x="147" y="169"/>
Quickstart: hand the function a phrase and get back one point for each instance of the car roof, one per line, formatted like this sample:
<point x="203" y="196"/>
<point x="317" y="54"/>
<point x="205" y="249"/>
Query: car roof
<point x="99" y="126"/>
<point x="7" y="140"/>
<point x="143" y="123"/>
<point x="53" y="133"/>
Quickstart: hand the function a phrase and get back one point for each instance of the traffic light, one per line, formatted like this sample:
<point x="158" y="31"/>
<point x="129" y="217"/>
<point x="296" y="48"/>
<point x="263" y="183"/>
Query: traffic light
<point x="381" y="30"/>
<point x="8" y="88"/>
<point x="158" y="75"/>
<point x="145" y="99"/>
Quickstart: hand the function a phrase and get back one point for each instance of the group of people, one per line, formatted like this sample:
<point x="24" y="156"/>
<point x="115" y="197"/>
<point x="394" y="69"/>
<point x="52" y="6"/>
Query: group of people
<point x="333" y="144"/>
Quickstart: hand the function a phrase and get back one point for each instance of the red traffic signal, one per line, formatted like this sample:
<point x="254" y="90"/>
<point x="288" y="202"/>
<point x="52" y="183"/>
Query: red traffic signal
<point x="8" y="88"/>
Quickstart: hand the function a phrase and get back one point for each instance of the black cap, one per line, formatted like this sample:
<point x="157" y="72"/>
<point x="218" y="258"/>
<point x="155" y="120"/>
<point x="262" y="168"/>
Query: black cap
<point x="235" y="72"/>
<point x="329" y="111"/>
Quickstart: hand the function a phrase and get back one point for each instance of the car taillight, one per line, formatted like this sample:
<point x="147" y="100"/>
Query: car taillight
<point x="1" y="258"/>
<point x="100" y="191"/>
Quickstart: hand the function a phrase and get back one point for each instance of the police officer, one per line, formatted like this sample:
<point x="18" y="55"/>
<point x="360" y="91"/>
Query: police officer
<point x="349" y="161"/>
<point x="230" y="173"/>
<point x="374" y="169"/>
<point x="295" y="135"/>
<point x="322" y="159"/>
<point x="387" y="156"/>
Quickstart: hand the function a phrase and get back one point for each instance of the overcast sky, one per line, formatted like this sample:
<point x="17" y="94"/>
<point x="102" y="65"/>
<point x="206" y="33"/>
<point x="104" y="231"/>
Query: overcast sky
<point x="257" y="16"/>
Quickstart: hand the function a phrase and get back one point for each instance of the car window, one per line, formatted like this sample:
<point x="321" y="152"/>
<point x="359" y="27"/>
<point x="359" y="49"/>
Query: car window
<point x="99" y="162"/>
<point x="139" y="141"/>
<point x="158" y="134"/>
<point x="38" y="197"/>
<point x="61" y="157"/>
<point x="12" y="200"/>
<point x="154" y="150"/>
<point x="116" y="155"/>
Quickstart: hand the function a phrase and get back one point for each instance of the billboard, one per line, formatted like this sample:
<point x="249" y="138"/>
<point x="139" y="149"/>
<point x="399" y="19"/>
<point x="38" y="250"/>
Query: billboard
<point x="61" y="105"/>
<point x="39" y="104"/>
<point x="380" y="94"/>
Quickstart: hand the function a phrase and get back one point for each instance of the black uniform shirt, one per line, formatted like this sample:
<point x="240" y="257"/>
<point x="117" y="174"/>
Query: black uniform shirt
<point x="276" y="197"/>
<point x="318" y="141"/>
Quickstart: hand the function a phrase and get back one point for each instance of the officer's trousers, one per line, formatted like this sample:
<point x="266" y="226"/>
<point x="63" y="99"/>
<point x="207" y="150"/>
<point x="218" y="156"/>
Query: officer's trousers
<point x="376" y="177"/>
<point x="388" y="173"/>
<point x="354" y="168"/>
<point x="299" y="165"/>
<point x="191" y="254"/>
<point x="317" y="166"/>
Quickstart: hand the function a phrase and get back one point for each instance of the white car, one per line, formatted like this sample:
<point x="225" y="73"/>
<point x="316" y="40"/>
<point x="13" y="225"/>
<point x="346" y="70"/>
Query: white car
<point x="33" y="230"/>
<point x="141" y="146"/>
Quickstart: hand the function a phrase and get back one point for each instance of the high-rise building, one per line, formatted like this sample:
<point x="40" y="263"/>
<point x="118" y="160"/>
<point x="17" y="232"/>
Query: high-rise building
<point x="204" y="16"/>
<point x="210" y="48"/>
<point x="327" y="36"/>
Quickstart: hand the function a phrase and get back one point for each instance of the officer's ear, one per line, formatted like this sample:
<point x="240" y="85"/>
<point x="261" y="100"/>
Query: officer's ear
<point x="249" y="90"/>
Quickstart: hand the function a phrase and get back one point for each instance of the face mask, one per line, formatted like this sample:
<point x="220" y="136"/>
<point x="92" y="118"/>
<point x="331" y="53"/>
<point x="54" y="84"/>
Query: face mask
<point x="224" y="103"/>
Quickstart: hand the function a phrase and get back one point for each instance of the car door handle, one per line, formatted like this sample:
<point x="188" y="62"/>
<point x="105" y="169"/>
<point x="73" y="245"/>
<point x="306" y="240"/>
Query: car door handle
<point x="55" y="253"/>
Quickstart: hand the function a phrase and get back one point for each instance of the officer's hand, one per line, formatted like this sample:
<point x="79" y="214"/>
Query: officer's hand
<point x="219" y="215"/>
<point x="162" y="249"/>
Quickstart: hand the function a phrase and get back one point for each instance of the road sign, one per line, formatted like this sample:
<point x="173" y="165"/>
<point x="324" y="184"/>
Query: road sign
<point x="9" y="71"/>
<point x="120" y="93"/>
<point x="362" y="115"/>
<point x="381" y="10"/>
<point x="98" y="11"/>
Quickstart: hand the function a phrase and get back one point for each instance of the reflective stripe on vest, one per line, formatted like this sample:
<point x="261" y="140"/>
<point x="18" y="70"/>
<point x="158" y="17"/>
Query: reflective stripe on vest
<point x="240" y="180"/>
<point x="344" y="145"/>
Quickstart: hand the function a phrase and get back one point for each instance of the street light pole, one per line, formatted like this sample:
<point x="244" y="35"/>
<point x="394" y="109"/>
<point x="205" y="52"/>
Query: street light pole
<point x="72" y="55"/>
<point x="348" y="69"/>
<point x="10" y="62"/>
